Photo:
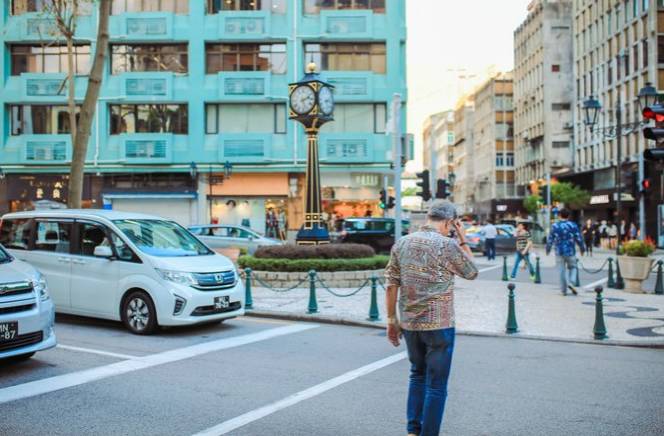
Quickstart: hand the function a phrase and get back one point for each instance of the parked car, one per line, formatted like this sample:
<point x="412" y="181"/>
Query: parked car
<point x="227" y="236"/>
<point x="143" y="270"/>
<point x="376" y="232"/>
<point x="505" y="239"/>
<point x="26" y="309"/>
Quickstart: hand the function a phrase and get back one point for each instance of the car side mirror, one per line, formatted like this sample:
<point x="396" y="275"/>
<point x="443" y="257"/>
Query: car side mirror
<point x="103" y="251"/>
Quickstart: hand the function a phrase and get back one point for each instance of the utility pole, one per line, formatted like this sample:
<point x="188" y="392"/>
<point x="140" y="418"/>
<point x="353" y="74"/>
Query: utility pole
<point x="385" y="183"/>
<point x="396" y="147"/>
<point x="642" y="199"/>
<point x="618" y="169"/>
<point x="548" y="202"/>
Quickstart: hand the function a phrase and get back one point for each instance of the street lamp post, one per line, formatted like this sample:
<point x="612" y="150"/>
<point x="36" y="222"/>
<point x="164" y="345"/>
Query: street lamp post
<point x="311" y="103"/>
<point x="591" y="108"/>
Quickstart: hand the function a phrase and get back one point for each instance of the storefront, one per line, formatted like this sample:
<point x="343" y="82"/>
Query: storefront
<point x="40" y="191"/>
<point x="508" y="208"/>
<point x="260" y="201"/>
<point x="351" y="195"/>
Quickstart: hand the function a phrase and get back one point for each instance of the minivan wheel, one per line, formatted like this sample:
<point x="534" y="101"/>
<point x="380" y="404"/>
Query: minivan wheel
<point x="139" y="314"/>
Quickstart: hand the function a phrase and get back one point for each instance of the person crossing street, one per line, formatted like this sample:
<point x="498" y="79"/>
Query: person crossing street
<point x="565" y="236"/>
<point x="523" y="245"/>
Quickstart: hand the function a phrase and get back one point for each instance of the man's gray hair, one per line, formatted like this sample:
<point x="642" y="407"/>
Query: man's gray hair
<point x="441" y="210"/>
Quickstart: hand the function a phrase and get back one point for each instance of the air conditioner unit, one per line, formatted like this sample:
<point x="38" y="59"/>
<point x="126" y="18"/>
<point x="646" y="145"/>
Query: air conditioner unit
<point x="568" y="125"/>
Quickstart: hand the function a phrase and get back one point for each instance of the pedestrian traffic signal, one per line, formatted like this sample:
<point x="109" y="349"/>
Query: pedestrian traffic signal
<point x="442" y="188"/>
<point x="391" y="202"/>
<point x="645" y="186"/>
<point x="383" y="199"/>
<point x="654" y="112"/>
<point x="424" y="184"/>
<point x="654" y="154"/>
<point x="543" y="192"/>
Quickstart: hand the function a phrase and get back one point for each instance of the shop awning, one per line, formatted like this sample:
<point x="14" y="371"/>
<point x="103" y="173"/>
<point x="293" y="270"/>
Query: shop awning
<point x="155" y="195"/>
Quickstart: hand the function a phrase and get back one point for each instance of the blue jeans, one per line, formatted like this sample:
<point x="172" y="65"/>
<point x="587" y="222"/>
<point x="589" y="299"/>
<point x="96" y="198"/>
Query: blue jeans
<point x="568" y="271"/>
<point x="518" y="257"/>
<point x="430" y="355"/>
<point x="490" y="246"/>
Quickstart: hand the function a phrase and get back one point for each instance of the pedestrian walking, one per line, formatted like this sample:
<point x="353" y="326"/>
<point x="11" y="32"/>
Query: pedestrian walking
<point x="604" y="234"/>
<point x="633" y="232"/>
<point x="564" y="237"/>
<point x="623" y="231"/>
<point x="489" y="231"/>
<point x="524" y="243"/>
<point x="589" y="236"/>
<point x="420" y="275"/>
<point x="612" y="231"/>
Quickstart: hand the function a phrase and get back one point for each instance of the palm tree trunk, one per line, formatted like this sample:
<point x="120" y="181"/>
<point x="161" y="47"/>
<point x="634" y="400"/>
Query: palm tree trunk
<point x="87" y="113"/>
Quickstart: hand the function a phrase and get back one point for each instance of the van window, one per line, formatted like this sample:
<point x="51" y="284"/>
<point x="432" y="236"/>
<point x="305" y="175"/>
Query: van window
<point x="122" y="249"/>
<point x="91" y="236"/>
<point x="15" y="233"/>
<point x="53" y="236"/>
<point x="162" y="238"/>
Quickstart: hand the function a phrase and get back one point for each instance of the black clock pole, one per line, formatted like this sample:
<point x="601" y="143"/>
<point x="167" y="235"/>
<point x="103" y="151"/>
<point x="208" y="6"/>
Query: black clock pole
<point x="313" y="231"/>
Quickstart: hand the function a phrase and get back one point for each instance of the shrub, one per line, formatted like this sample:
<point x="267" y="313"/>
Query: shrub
<point x="638" y="248"/>
<point x="301" y="265"/>
<point x="327" y="251"/>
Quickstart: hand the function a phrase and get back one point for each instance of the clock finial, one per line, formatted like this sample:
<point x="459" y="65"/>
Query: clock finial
<point x="311" y="67"/>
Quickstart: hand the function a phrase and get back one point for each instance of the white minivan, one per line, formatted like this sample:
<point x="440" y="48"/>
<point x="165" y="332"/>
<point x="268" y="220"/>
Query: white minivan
<point x="26" y="310"/>
<point x="143" y="270"/>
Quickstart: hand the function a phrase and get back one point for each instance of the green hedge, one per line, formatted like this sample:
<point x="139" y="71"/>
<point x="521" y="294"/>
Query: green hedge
<point x="325" y="251"/>
<point x="301" y="265"/>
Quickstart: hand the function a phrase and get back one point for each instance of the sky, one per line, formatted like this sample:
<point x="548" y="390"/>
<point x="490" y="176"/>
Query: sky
<point x="452" y="38"/>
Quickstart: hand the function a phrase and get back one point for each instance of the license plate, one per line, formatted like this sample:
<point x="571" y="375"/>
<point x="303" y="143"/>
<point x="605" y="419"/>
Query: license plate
<point x="221" y="302"/>
<point x="8" y="330"/>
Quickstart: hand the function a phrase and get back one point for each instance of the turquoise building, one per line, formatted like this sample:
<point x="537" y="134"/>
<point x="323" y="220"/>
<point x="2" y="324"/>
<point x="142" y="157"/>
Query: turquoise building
<point x="191" y="121"/>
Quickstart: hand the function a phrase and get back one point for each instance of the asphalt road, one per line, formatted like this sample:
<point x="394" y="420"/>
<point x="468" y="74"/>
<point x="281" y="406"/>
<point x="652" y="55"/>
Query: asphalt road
<point x="261" y="377"/>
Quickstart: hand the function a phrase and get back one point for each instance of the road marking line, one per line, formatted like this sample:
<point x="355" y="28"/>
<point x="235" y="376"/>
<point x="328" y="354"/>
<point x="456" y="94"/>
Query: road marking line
<point x="254" y="415"/>
<point x="93" y="351"/>
<point x="64" y="381"/>
<point x="488" y="269"/>
<point x="595" y="283"/>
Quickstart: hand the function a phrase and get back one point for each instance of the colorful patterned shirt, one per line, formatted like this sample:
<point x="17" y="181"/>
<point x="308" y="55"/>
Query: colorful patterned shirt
<point x="423" y="265"/>
<point x="522" y="239"/>
<point x="564" y="234"/>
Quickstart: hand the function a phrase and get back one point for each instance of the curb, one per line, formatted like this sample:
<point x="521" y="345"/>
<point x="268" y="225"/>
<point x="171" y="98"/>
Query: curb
<point x="379" y="325"/>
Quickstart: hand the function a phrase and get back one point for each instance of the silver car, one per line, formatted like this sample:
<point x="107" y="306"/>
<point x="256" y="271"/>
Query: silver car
<point x="228" y="236"/>
<point x="26" y="311"/>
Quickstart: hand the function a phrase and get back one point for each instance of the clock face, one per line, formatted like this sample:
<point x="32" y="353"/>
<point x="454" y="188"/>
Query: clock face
<point x="303" y="99"/>
<point x="325" y="100"/>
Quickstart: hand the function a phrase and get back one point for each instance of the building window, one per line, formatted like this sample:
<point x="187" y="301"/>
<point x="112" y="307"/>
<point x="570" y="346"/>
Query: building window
<point x="609" y="74"/>
<point x="245" y="118"/>
<point x="626" y="60"/>
<point x="635" y="8"/>
<point x="48" y="59"/>
<point x="20" y="7"/>
<point x="645" y="53"/>
<point x="504" y="131"/>
<point x="645" y="6"/>
<point x="246" y="57"/>
<point x="503" y="103"/>
<point x="174" y="6"/>
<point x="347" y="56"/>
<point x="561" y="106"/>
<point x="40" y="119"/>
<point x="149" y="57"/>
<point x="275" y="6"/>
<point x="555" y="68"/>
<point x="315" y="6"/>
<point x="560" y="144"/>
<point x="505" y="159"/>
<point x="149" y="118"/>
<point x="357" y="118"/>
<point x="660" y="48"/>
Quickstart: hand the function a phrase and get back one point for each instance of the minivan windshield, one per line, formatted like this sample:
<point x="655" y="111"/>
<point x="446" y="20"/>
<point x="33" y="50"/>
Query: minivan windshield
<point x="4" y="256"/>
<point x="162" y="238"/>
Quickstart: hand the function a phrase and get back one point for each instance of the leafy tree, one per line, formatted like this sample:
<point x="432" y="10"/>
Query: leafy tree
<point x="409" y="192"/>
<point x="571" y="195"/>
<point x="531" y="204"/>
<point x="64" y="14"/>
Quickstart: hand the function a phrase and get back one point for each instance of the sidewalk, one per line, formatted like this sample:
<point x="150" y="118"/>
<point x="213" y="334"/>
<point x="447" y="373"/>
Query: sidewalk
<point x="481" y="308"/>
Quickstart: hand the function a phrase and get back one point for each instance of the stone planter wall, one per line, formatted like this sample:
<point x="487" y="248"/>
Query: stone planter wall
<point x="340" y="279"/>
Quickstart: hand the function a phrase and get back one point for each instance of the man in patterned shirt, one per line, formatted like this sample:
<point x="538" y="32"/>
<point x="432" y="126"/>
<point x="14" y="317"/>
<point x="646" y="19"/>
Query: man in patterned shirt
<point x="421" y="275"/>
<point x="565" y="235"/>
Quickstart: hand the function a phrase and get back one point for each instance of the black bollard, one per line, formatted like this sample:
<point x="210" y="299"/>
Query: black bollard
<point x="620" y="283"/>
<point x="611" y="284"/>
<point x="659" y="286"/>
<point x="599" y="330"/>
<point x="505" y="278"/>
<point x="511" y="325"/>
<point x="313" y="304"/>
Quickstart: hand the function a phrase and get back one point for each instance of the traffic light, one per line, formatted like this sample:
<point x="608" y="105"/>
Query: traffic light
<point x="441" y="188"/>
<point x="390" y="202"/>
<point x="654" y="153"/>
<point x="424" y="184"/>
<point x="645" y="186"/>
<point x="543" y="192"/>
<point x="655" y="112"/>
<point x="383" y="199"/>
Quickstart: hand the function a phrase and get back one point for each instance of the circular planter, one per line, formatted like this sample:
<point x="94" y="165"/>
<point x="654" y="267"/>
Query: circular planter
<point x="634" y="270"/>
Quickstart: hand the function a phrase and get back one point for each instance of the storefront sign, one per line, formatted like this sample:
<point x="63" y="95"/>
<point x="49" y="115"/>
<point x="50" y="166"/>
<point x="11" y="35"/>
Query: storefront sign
<point x="599" y="199"/>
<point x="367" y="179"/>
<point x="501" y="208"/>
<point x="35" y="188"/>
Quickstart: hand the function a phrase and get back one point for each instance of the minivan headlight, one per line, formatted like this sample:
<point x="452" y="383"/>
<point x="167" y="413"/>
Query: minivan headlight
<point x="40" y="287"/>
<point x="180" y="277"/>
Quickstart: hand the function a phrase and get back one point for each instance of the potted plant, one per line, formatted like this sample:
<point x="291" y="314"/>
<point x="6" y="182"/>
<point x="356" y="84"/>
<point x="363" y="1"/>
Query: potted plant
<point x="635" y="264"/>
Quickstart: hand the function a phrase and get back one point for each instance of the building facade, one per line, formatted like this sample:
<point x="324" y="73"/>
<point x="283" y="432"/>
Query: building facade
<point x="493" y="150"/>
<point x="543" y="92"/>
<point x="437" y="143"/>
<point x="191" y="121"/>
<point x="617" y="49"/>
<point x="464" y="168"/>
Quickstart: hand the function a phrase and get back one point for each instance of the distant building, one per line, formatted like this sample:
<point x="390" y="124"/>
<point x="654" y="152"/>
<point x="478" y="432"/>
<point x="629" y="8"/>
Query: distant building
<point x="543" y="92"/>
<point x="438" y="139"/>
<point x="464" y="169"/>
<point x="495" y="193"/>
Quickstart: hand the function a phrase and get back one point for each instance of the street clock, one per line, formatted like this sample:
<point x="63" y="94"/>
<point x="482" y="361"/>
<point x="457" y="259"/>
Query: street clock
<point x="311" y="101"/>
